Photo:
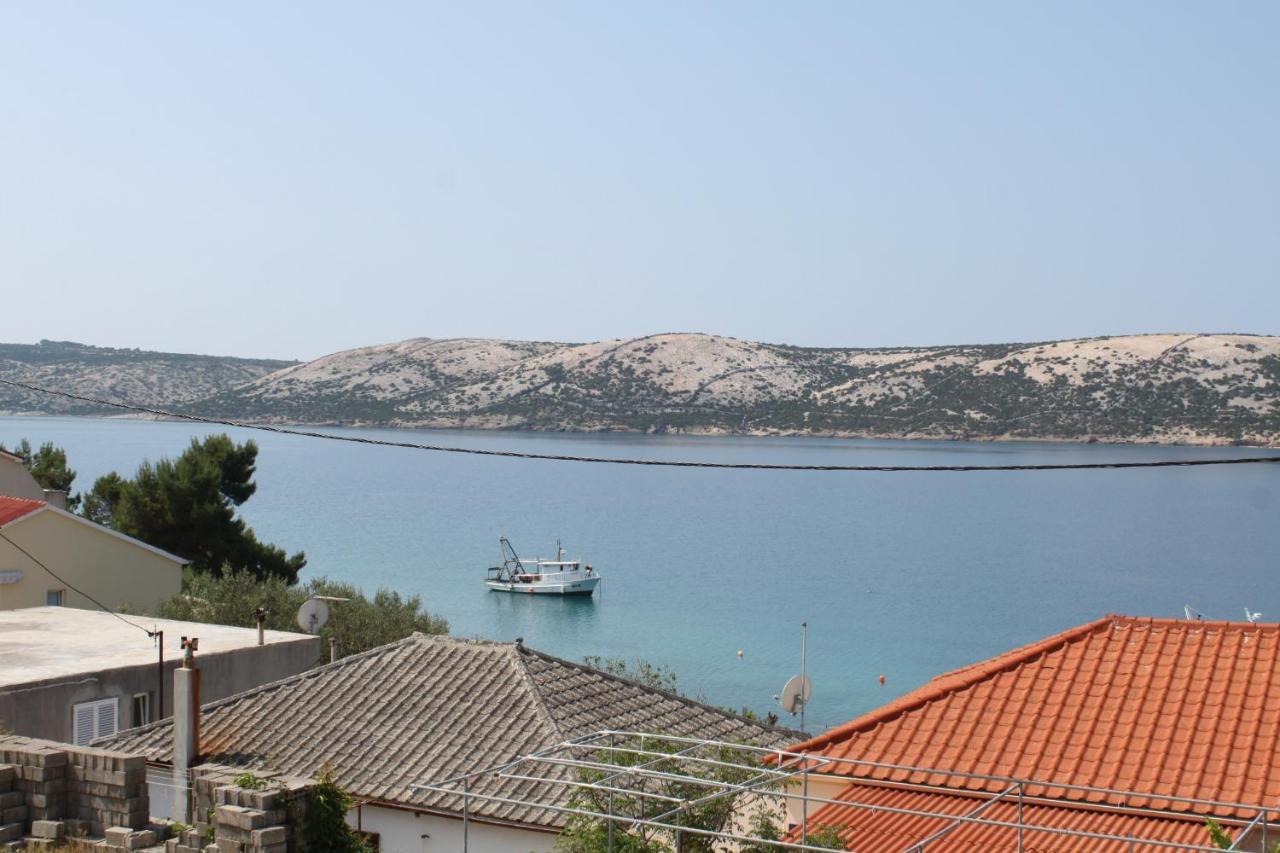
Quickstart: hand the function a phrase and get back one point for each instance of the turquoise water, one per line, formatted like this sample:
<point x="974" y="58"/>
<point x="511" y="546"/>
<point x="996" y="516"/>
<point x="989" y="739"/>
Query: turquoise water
<point x="905" y="575"/>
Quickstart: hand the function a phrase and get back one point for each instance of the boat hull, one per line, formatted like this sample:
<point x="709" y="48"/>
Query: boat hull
<point x="582" y="587"/>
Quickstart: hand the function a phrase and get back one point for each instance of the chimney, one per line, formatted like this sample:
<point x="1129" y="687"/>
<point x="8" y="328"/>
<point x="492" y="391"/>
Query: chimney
<point x="56" y="498"/>
<point x="186" y="727"/>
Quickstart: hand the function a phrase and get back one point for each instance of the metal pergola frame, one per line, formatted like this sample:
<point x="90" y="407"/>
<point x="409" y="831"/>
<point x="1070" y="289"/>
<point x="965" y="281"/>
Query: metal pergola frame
<point x="785" y="776"/>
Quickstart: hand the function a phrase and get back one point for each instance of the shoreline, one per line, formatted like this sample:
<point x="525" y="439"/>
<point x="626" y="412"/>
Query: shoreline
<point x="1126" y="441"/>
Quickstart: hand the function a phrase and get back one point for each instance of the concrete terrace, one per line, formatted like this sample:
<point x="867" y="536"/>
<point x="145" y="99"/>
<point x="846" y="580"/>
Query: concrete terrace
<point x="40" y="644"/>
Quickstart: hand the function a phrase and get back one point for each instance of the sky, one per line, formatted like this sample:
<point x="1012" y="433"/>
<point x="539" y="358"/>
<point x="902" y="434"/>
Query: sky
<point x="289" y="179"/>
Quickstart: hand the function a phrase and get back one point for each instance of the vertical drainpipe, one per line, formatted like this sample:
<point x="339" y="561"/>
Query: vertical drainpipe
<point x="186" y="727"/>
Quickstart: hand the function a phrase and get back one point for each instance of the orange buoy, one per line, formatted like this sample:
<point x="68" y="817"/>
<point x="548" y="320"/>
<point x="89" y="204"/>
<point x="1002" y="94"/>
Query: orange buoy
<point x="882" y="679"/>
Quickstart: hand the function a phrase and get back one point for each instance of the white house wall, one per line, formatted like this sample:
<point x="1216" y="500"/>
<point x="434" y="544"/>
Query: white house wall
<point x="410" y="832"/>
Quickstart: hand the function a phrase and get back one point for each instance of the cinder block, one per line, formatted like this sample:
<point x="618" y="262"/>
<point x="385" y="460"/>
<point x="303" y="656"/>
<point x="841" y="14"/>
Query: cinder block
<point x="47" y="828"/>
<point x="10" y="831"/>
<point x="9" y="799"/>
<point x="13" y="814"/>
<point x="268" y="835"/>
<point x="241" y="817"/>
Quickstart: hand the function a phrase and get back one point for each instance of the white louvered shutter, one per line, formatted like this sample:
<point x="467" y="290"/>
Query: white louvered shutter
<point x="106" y="718"/>
<point x="84" y="723"/>
<point x="94" y="720"/>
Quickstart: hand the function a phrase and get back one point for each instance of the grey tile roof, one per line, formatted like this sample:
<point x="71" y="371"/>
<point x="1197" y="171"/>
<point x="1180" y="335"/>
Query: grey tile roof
<point x="428" y="708"/>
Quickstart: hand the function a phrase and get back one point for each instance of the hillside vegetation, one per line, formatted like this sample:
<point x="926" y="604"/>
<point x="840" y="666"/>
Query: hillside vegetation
<point x="1193" y="388"/>
<point x="148" y="378"/>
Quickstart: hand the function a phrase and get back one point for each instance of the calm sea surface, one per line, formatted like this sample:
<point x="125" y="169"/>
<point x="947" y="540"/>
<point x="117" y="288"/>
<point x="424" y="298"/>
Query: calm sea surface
<point x="905" y="575"/>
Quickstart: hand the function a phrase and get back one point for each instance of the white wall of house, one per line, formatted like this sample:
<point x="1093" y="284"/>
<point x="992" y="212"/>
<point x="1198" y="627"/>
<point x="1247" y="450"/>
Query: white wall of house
<point x="829" y="787"/>
<point x="414" y="832"/>
<point x="16" y="481"/>
<point x="120" y="572"/>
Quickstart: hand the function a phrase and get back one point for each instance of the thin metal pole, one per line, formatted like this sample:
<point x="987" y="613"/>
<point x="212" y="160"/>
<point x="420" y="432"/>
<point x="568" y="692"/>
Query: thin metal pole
<point x="466" y="812"/>
<point x="804" y="804"/>
<point x="1019" y="817"/>
<point x="160" y="676"/>
<point x="610" y="800"/>
<point x="1264" y="831"/>
<point x="804" y="660"/>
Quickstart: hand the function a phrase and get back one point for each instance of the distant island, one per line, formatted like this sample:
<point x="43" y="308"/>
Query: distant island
<point x="1162" y="388"/>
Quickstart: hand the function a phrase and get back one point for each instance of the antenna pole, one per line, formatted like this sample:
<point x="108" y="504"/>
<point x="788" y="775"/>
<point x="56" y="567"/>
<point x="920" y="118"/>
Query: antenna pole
<point x="804" y="660"/>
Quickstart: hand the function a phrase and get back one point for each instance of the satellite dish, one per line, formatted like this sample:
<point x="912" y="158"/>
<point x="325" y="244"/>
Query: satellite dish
<point x="795" y="694"/>
<point x="1252" y="615"/>
<point x="1192" y="614"/>
<point x="312" y="615"/>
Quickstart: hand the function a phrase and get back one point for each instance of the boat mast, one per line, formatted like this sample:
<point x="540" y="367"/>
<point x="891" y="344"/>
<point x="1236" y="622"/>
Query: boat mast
<point x="513" y="560"/>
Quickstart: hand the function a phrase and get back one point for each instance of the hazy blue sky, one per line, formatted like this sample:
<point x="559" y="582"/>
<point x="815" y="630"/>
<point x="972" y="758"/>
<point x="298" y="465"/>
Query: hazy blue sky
<point x="290" y="179"/>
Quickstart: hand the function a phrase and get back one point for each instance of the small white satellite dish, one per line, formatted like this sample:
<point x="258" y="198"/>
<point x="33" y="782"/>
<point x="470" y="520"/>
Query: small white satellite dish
<point x="312" y="615"/>
<point x="1192" y="614"/>
<point x="1252" y="615"/>
<point x="795" y="694"/>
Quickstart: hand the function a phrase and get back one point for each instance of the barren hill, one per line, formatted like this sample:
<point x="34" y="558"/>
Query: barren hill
<point x="1195" y="388"/>
<point x="147" y="378"/>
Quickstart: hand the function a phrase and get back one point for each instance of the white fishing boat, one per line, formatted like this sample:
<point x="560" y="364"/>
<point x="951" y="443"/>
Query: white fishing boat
<point x="541" y="577"/>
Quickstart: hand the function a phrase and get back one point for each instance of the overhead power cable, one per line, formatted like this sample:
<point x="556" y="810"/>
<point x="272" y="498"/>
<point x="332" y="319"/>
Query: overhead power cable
<point x="659" y="463"/>
<point x="72" y="587"/>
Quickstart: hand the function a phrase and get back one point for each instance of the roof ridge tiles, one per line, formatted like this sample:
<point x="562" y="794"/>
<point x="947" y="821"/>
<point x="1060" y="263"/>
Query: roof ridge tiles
<point x="14" y="508"/>
<point x="955" y="680"/>
<point x="968" y="676"/>
<point x="523" y="649"/>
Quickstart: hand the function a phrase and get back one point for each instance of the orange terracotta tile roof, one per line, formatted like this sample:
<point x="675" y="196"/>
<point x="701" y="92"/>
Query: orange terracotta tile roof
<point x="1168" y="707"/>
<point x="11" y="509"/>
<point x="873" y="830"/>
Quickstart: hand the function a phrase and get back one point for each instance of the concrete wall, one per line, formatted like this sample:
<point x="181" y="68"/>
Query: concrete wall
<point x="118" y="572"/>
<point x="415" y="832"/>
<point x="44" y="709"/>
<point x="16" y="481"/>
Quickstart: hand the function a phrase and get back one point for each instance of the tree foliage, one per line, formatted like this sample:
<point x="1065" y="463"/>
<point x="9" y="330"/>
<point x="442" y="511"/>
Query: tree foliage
<point x="49" y="468"/>
<point x="233" y="598"/>
<point x="326" y="829"/>
<point x="187" y="506"/>
<point x="662" y="677"/>
<point x="700" y="784"/>
<point x="655" y="675"/>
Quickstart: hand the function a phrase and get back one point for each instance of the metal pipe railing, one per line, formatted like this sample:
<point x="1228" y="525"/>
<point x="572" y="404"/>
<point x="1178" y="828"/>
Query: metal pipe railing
<point x="763" y="780"/>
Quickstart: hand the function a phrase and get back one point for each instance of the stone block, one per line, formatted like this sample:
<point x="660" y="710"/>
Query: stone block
<point x="118" y="834"/>
<point x="47" y="828"/>
<point x="9" y="799"/>
<point x="226" y="845"/>
<point x="10" y="831"/>
<point x="241" y="817"/>
<point x="268" y="835"/>
<point x="13" y="814"/>
<point x="7" y="774"/>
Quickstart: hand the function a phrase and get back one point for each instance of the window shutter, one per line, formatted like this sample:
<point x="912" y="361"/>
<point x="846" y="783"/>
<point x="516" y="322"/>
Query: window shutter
<point x="106" y="717"/>
<point x="83" y="724"/>
<point x="94" y="720"/>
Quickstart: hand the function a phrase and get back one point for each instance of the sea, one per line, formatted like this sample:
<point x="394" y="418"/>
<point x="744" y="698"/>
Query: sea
<point x="900" y="577"/>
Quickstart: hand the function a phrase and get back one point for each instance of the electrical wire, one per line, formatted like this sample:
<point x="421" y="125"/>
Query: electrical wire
<point x="68" y="585"/>
<point x="658" y="463"/>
